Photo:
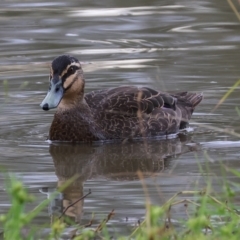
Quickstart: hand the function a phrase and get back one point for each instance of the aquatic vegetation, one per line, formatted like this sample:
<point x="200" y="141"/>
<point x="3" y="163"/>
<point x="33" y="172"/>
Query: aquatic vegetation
<point x="207" y="216"/>
<point x="17" y="222"/>
<point x="5" y="87"/>
<point x="16" y="218"/>
<point x="227" y="94"/>
<point x="210" y="218"/>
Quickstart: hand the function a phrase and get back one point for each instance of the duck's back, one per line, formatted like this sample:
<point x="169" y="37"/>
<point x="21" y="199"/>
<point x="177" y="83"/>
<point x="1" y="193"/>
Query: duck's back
<point x="135" y="112"/>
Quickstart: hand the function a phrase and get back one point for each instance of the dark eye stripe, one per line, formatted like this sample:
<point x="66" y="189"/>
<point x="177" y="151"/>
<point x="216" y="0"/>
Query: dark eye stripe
<point x="70" y="71"/>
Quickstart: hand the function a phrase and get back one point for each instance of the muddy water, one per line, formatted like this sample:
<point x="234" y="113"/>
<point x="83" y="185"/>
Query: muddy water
<point x="169" y="45"/>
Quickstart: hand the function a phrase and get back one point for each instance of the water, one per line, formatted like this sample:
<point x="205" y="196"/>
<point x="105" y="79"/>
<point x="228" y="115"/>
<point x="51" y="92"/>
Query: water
<point x="168" y="45"/>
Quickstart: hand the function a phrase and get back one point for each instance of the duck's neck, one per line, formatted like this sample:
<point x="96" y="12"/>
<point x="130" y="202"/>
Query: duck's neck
<point x="72" y="102"/>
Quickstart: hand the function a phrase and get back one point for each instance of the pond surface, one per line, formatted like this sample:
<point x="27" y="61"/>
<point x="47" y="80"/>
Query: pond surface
<point x="168" y="45"/>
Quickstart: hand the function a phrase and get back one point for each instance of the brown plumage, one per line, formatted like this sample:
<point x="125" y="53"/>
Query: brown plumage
<point x="117" y="113"/>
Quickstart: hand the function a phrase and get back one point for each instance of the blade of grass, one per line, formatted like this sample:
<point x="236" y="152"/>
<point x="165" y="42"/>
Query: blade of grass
<point x="234" y="9"/>
<point x="43" y="204"/>
<point x="226" y="95"/>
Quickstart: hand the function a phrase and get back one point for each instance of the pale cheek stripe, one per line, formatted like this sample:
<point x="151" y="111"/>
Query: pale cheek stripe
<point x="71" y="83"/>
<point x="72" y="64"/>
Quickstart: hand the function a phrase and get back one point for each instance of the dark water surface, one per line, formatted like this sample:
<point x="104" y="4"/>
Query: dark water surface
<point x="169" y="45"/>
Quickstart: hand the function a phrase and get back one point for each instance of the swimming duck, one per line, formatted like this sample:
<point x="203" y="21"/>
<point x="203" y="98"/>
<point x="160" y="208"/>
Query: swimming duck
<point x="124" y="112"/>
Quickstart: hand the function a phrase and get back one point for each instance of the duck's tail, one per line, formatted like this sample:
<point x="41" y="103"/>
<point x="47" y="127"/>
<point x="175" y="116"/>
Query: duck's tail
<point x="190" y="99"/>
<point x="194" y="98"/>
<point x="187" y="102"/>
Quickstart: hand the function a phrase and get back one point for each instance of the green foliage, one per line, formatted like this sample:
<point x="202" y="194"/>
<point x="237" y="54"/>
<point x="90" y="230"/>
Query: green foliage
<point x="56" y="229"/>
<point x="208" y="217"/>
<point x="17" y="222"/>
<point x="16" y="218"/>
<point x="5" y="87"/>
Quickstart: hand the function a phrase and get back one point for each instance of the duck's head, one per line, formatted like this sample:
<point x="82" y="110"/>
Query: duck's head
<point x="66" y="83"/>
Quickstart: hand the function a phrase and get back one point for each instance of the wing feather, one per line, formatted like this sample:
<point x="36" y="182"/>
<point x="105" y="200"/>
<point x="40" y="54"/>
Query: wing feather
<point x="128" y="100"/>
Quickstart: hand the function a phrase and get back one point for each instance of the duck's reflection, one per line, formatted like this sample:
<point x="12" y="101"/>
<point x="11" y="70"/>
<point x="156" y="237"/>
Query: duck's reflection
<point x="112" y="161"/>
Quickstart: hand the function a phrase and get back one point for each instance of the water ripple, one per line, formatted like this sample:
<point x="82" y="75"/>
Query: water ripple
<point x="206" y="27"/>
<point x="134" y="11"/>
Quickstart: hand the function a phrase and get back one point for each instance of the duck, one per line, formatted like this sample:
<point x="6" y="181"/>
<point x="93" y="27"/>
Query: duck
<point x="118" y="113"/>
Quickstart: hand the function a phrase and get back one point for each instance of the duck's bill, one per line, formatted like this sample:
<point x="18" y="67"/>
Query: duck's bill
<point x="54" y="96"/>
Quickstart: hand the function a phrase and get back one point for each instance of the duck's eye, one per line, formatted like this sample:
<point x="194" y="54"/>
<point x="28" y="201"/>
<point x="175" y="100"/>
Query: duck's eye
<point x="71" y="70"/>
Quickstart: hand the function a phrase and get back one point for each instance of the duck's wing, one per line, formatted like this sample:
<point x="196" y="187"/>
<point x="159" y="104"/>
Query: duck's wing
<point x="128" y="100"/>
<point x="94" y="98"/>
